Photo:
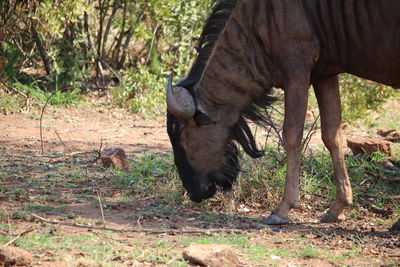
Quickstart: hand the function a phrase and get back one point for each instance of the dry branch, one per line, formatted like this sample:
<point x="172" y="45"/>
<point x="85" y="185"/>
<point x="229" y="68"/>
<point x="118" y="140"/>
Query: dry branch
<point x="98" y="152"/>
<point x="373" y="208"/>
<point x="101" y="208"/>
<point x="133" y="230"/>
<point x="309" y="135"/>
<point x="396" y="179"/>
<point x="3" y="233"/>
<point x="18" y="236"/>
<point x="15" y="90"/>
<point x="152" y="44"/>
<point x="393" y="139"/>
<point x="59" y="138"/>
<point x="41" y="119"/>
<point x="382" y="197"/>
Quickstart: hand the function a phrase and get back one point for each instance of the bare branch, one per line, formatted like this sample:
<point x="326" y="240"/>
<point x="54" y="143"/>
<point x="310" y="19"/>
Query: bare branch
<point x="148" y="231"/>
<point x="397" y="179"/>
<point x="40" y="122"/>
<point x="18" y="236"/>
<point x="101" y="208"/>
<point x="383" y="197"/>
<point x="152" y="43"/>
<point x="59" y="138"/>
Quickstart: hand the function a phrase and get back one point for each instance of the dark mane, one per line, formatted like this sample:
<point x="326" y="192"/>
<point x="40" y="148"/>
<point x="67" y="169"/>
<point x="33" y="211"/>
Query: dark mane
<point x="215" y="24"/>
<point x="241" y="132"/>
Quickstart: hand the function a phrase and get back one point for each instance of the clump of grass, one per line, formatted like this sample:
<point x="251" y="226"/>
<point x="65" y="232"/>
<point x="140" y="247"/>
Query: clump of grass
<point x="153" y="174"/>
<point x="218" y="238"/>
<point x="263" y="180"/>
<point x="31" y="207"/>
<point x="310" y="252"/>
<point x="19" y="215"/>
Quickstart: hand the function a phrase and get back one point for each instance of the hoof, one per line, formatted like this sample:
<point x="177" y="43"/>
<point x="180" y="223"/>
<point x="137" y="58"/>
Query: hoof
<point x="275" y="220"/>
<point x="328" y="218"/>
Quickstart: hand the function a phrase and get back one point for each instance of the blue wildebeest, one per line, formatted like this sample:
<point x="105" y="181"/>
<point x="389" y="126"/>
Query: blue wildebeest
<point x="249" y="46"/>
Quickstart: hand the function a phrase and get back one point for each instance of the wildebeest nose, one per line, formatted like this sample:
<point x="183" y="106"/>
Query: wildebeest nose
<point x="196" y="197"/>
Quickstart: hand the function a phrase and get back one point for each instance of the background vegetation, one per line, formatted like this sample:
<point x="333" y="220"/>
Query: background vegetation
<point x="126" y="47"/>
<point x="71" y="47"/>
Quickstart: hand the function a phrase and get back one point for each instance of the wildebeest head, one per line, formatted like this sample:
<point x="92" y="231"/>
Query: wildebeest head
<point x="204" y="156"/>
<point x="204" y="149"/>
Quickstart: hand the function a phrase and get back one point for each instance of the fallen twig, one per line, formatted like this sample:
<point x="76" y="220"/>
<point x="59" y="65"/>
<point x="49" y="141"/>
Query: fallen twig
<point x="101" y="208"/>
<point x="18" y="236"/>
<point x="382" y="197"/>
<point x="98" y="152"/>
<point x="8" y="223"/>
<point x="14" y="89"/>
<point x="370" y="206"/>
<point x="395" y="179"/>
<point x="133" y="230"/>
<point x="3" y="233"/>
<point x="110" y="68"/>
<point x="126" y="203"/>
<point x="59" y="138"/>
<point x="393" y="139"/>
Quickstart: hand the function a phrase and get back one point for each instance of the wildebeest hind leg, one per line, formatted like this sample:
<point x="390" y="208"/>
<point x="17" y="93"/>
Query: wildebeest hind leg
<point x="328" y="96"/>
<point x="296" y="97"/>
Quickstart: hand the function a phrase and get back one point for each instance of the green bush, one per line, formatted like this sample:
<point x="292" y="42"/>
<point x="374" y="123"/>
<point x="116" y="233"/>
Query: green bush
<point x="144" y="42"/>
<point x="141" y="91"/>
<point x="359" y="96"/>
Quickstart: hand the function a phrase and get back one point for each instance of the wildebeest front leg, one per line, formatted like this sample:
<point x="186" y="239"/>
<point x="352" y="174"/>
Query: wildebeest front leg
<point x="296" y="97"/>
<point x="327" y="92"/>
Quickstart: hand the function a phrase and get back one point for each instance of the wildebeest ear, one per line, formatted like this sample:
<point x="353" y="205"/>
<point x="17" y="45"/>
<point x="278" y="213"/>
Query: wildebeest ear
<point x="202" y="119"/>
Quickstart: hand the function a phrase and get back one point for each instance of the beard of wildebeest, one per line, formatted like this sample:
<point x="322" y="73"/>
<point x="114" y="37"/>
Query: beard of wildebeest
<point x="202" y="179"/>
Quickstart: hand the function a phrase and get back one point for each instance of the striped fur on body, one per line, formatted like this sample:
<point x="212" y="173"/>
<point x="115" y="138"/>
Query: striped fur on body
<point x="248" y="47"/>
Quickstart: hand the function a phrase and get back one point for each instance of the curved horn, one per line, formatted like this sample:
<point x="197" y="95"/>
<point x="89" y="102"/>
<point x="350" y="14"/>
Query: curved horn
<point x="179" y="101"/>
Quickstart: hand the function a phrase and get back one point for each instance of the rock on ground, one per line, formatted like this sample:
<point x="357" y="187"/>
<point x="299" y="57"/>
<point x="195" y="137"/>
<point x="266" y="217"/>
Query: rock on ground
<point x="14" y="256"/>
<point x="114" y="157"/>
<point x="211" y="255"/>
<point x="366" y="145"/>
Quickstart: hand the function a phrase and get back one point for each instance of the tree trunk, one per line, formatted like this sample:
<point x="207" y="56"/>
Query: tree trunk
<point x="108" y="27"/>
<point x="121" y="35"/>
<point x="125" y="48"/>
<point x="86" y="29"/>
<point x="42" y="50"/>
<point x="99" y="36"/>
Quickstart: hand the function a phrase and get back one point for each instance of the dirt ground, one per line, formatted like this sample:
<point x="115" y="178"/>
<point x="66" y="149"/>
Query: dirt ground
<point x="81" y="130"/>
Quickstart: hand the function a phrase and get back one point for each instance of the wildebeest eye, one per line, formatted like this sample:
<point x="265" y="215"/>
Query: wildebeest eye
<point x="202" y="119"/>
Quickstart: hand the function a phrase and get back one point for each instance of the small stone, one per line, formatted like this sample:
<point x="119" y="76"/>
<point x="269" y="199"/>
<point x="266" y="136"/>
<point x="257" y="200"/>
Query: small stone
<point x="14" y="256"/>
<point x="211" y="255"/>
<point x="368" y="145"/>
<point x="114" y="157"/>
